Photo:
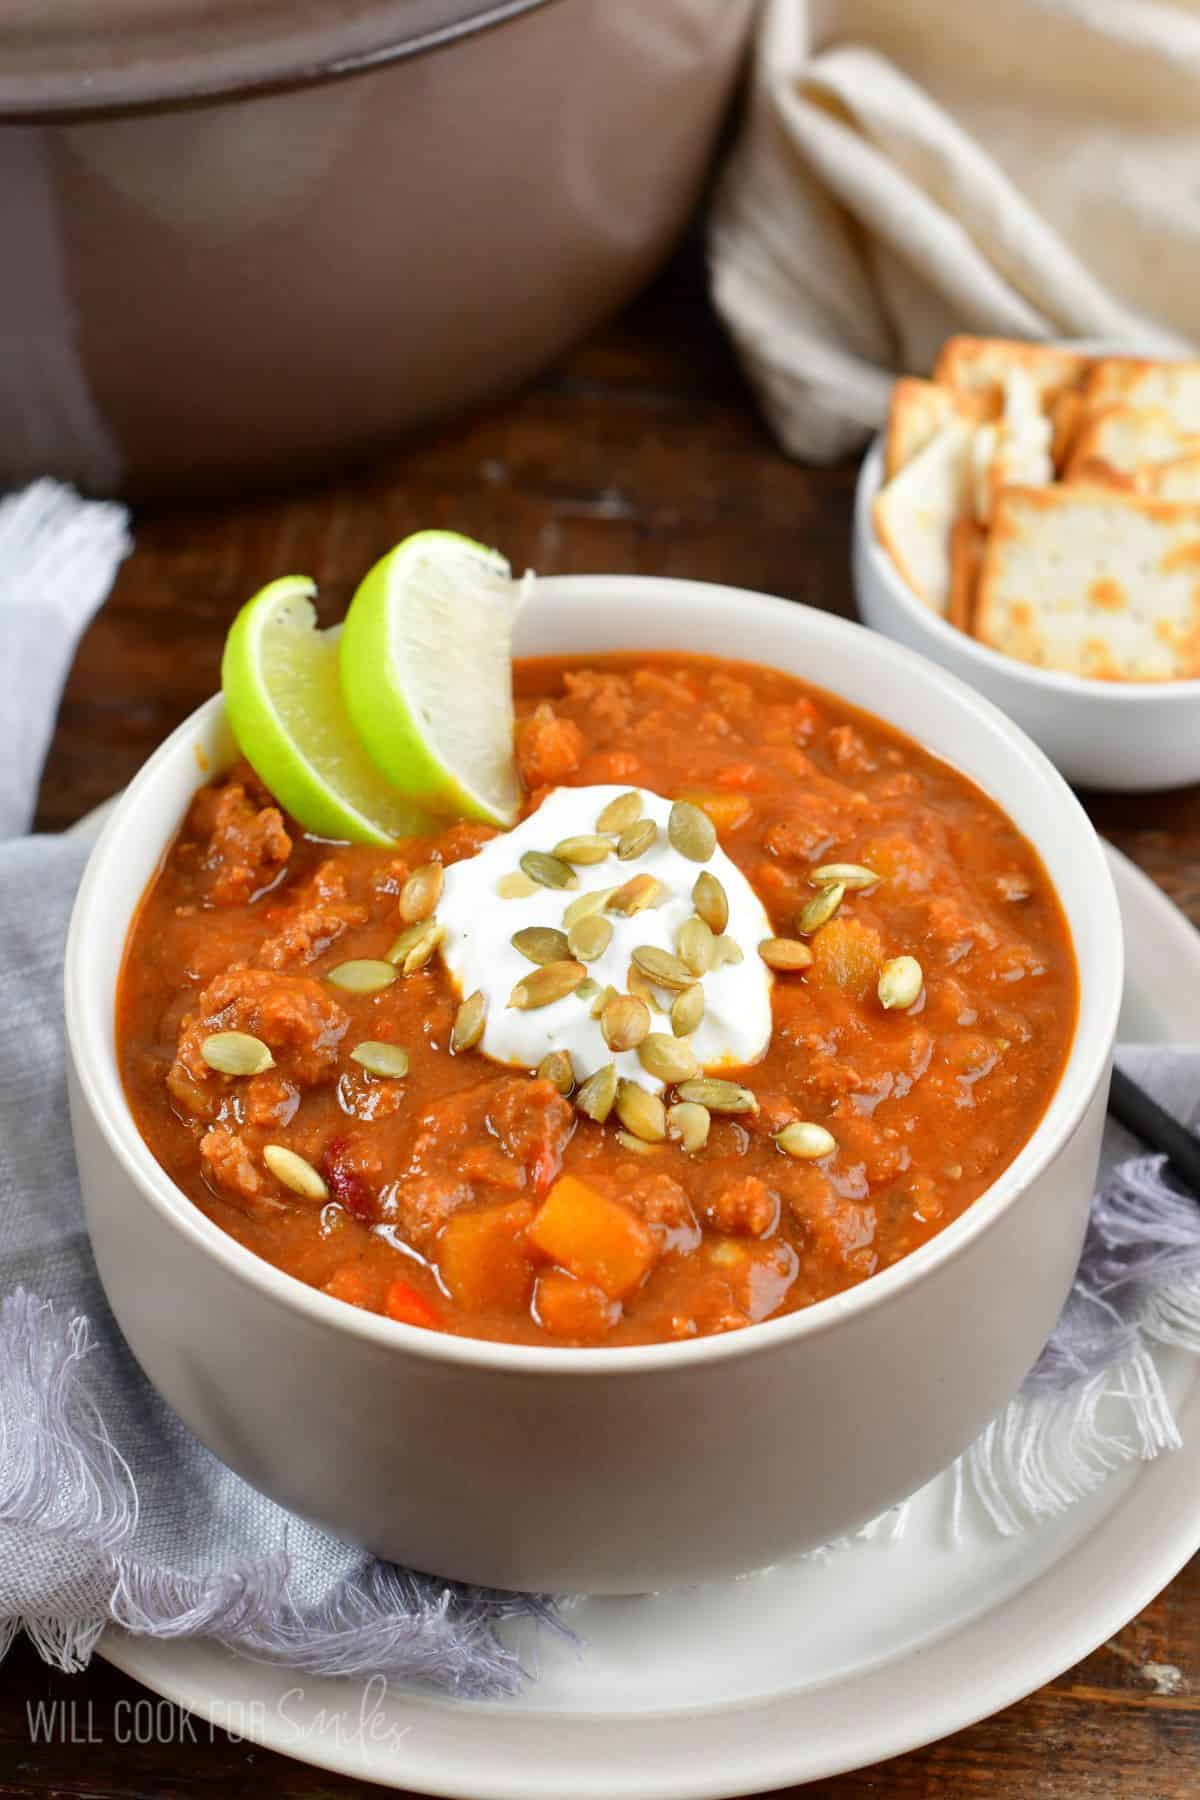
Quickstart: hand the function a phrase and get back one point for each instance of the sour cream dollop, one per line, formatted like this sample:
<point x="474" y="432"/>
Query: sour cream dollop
<point x="479" y="954"/>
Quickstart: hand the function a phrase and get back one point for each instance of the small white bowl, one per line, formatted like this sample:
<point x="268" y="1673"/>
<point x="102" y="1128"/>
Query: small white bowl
<point x="605" y="1471"/>
<point x="1132" y="735"/>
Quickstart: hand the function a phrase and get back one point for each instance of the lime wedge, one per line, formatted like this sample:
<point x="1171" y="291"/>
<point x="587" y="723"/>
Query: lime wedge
<point x="279" y="675"/>
<point x="426" y="662"/>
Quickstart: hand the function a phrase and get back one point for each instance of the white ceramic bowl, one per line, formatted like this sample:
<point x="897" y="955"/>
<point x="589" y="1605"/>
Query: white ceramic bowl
<point x="1132" y="735"/>
<point x="626" y="1469"/>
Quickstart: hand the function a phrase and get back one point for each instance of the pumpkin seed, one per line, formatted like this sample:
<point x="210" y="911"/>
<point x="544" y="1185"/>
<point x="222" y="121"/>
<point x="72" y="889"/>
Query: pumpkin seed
<point x="848" y="875"/>
<point x="589" y="938"/>
<point x="687" y="1010"/>
<point x="603" y="996"/>
<point x="639" y="892"/>
<point x="362" y="976"/>
<point x="645" y="990"/>
<point x="711" y="901"/>
<point x="583" y="849"/>
<point x="805" y="1141"/>
<point x="388" y="1061"/>
<point x="540" y="944"/>
<point x="421" y="892"/>
<point x="556" y="1068"/>
<point x="641" y="1112"/>
<point x="294" y="1172"/>
<point x="900" y="983"/>
<point x="670" y="1058"/>
<point x="627" y="1141"/>
<point x="587" y="990"/>
<point x="691" y="831"/>
<point x="554" y="981"/>
<point x="726" y="950"/>
<point x="637" y="839"/>
<point x="688" y="1123"/>
<point x="620" y="813"/>
<point x="469" y="1022"/>
<point x="785" y="953"/>
<point x="593" y="901"/>
<point x="820" y="909"/>
<point x="695" y="944"/>
<point x="236" y="1053"/>
<point x="516" y="886"/>
<point x="661" y="967"/>
<point x="598" y="1093"/>
<point x="414" y="947"/>
<point x="719" y="1096"/>
<point x="548" y="871"/>
<point x="625" y="1022"/>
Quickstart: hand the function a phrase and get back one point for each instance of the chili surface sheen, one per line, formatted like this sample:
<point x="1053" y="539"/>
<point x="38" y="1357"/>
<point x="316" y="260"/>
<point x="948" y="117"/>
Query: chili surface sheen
<point x="473" y="1198"/>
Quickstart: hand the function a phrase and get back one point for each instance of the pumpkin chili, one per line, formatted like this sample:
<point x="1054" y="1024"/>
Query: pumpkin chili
<point x="299" y="1061"/>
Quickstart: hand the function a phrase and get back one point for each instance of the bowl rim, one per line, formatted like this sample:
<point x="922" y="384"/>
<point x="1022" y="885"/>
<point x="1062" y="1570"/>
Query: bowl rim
<point x="91" y="1045"/>
<point x="280" y="61"/>
<point x="1048" y="681"/>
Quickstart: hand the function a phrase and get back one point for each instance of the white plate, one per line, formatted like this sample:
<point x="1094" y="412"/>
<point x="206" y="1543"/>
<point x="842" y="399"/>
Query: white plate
<point x="803" y="1671"/>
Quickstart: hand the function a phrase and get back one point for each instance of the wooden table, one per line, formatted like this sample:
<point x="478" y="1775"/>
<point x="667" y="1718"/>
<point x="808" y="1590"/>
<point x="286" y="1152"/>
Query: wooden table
<point x="642" y="451"/>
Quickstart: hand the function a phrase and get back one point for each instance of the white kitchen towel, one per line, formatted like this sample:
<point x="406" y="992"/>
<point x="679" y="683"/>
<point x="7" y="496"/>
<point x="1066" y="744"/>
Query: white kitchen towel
<point x="58" y="557"/>
<point x="906" y="171"/>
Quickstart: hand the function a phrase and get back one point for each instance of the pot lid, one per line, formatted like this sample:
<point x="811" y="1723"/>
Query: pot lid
<point x="75" y="58"/>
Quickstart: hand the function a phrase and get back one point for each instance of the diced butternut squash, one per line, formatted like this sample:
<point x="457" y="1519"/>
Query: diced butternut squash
<point x="483" y="1259"/>
<point x="847" y="954"/>
<point x="726" y="810"/>
<point x="594" y="1238"/>
<point x="898" y="861"/>
<point x="403" y="1303"/>
<point x="567" y="1308"/>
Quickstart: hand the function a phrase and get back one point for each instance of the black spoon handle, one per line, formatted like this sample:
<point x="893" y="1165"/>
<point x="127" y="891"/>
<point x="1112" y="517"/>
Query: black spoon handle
<point x="1146" y="1119"/>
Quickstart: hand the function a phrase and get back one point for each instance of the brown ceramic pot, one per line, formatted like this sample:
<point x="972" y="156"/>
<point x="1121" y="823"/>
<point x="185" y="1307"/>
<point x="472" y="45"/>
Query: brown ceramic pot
<point x="245" y="240"/>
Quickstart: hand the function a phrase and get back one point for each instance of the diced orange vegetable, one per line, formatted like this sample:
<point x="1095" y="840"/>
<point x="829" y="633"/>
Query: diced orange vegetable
<point x="739" y="775"/>
<point x="483" y="1259"/>
<point x="350" y="1283"/>
<point x="548" y="747"/>
<point x="726" y="810"/>
<point x="573" y="1309"/>
<point x="848" y="954"/>
<point x="595" y="1238"/>
<point x="403" y="1303"/>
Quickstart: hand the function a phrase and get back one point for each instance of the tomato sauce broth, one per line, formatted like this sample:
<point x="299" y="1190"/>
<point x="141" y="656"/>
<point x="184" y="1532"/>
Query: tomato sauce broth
<point x="449" y="1197"/>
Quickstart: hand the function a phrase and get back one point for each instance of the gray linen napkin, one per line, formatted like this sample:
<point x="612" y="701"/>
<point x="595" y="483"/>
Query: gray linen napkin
<point x="110" y="1509"/>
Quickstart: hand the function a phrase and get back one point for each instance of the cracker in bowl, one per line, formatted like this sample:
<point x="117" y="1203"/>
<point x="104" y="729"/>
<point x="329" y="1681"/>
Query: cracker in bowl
<point x="1047" y="503"/>
<point x="1104" y="585"/>
<point x="1113" y="446"/>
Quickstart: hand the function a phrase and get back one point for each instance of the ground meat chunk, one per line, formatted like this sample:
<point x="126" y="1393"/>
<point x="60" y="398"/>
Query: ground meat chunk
<point x="299" y="1022"/>
<point x="229" y="1166"/>
<point x="664" y="1205"/>
<point x="246" y="843"/>
<point x="748" y="1208"/>
<point x="606" y="696"/>
<point x="842" y="1230"/>
<point x="801" y="839"/>
<point x="849" y="752"/>
<point x="549" y="748"/>
<point x="421" y="1205"/>
<point x="317" y="917"/>
<point x="534" y="1124"/>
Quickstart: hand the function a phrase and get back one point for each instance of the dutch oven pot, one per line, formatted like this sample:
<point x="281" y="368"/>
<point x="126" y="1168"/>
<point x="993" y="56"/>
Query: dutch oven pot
<point x="247" y="238"/>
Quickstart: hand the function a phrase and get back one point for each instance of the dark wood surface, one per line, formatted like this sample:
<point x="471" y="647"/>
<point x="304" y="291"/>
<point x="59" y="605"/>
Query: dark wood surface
<point x="642" y="451"/>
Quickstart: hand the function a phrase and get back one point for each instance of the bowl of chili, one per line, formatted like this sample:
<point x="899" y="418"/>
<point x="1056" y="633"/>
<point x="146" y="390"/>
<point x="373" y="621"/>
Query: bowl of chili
<point x="771" y="1373"/>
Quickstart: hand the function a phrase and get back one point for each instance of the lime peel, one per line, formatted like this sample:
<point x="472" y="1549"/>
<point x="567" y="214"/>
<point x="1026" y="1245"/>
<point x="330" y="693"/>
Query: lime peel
<point x="426" y="671"/>
<point x="279" y="675"/>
